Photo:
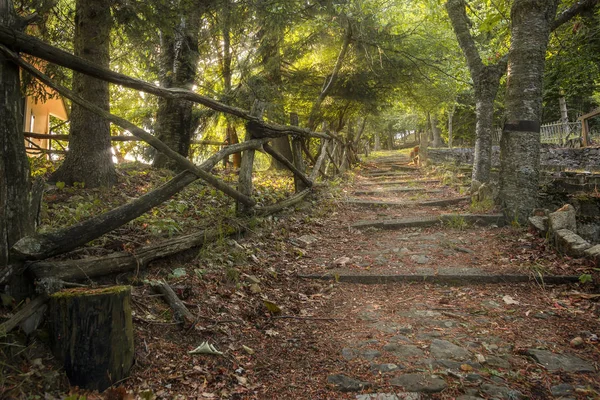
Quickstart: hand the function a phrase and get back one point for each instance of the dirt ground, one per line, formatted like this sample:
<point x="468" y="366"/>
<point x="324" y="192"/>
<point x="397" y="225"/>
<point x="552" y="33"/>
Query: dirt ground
<point x="285" y="336"/>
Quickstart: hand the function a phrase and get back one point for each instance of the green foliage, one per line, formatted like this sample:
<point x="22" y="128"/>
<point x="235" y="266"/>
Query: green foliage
<point x="481" y="206"/>
<point x="585" y="278"/>
<point x="456" y="221"/>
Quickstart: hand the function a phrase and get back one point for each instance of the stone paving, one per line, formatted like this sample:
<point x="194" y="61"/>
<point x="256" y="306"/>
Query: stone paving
<point x="420" y="351"/>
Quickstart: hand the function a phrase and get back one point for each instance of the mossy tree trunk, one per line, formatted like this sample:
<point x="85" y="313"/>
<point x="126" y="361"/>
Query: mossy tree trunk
<point x="520" y="143"/>
<point x="19" y="200"/>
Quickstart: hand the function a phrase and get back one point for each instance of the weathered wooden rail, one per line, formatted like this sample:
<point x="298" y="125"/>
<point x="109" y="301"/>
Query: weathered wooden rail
<point x="258" y="134"/>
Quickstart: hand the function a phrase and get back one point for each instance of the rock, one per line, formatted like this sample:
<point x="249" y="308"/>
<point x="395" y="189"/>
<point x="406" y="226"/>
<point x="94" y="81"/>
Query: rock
<point x="429" y="335"/>
<point x="348" y="353"/>
<point x="499" y="362"/>
<point x="370" y="354"/>
<point x="500" y="392"/>
<point x="403" y="351"/>
<point x="570" y="243"/>
<point x="399" y="338"/>
<point x="377" y="396"/>
<point x="384" y="367"/>
<point x="540" y="224"/>
<point x="305" y="240"/>
<point x="443" y="349"/>
<point x="556" y="362"/>
<point x="563" y="218"/>
<point x="419" y="383"/>
<point x="457" y="365"/>
<point x="577" y="342"/>
<point x="474" y="377"/>
<point x="420" y="259"/>
<point x="341" y="262"/>
<point x="344" y="383"/>
<point x="468" y="397"/>
<point x="564" y="389"/>
<point x="593" y="253"/>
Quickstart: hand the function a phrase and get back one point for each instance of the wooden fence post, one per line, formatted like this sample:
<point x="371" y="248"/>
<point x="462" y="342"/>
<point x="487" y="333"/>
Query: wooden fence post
<point x="297" y="155"/>
<point x="247" y="163"/>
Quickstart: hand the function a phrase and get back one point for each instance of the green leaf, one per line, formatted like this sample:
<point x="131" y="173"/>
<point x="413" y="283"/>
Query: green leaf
<point x="272" y="307"/>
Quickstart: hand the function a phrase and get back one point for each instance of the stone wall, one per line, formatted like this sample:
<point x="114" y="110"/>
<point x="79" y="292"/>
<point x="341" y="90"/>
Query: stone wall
<point x="551" y="157"/>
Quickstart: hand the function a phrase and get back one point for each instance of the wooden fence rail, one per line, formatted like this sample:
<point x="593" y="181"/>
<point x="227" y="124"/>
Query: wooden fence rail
<point x="259" y="132"/>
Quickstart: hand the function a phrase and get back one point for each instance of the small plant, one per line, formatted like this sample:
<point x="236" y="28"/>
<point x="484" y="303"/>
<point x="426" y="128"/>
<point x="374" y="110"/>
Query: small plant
<point x="456" y="222"/>
<point x="232" y="275"/>
<point x="481" y="206"/>
<point x="585" y="278"/>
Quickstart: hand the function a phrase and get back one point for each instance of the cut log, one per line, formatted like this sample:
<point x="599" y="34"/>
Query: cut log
<point x="92" y="335"/>
<point x="80" y="270"/>
<point x="182" y="314"/>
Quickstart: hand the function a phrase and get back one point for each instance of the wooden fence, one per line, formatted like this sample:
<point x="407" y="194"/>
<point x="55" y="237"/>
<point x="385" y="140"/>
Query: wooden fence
<point x="334" y="154"/>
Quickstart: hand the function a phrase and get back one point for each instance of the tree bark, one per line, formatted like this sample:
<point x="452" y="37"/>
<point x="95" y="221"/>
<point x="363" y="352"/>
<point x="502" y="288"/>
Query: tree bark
<point x="520" y="142"/>
<point x="89" y="159"/>
<point x="19" y="202"/>
<point x="486" y="80"/>
<point x="92" y="335"/>
<point x="178" y="61"/>
<point x="270" y="36"/>
<point x="93" y="267"/>
<point x="437" y="133"/>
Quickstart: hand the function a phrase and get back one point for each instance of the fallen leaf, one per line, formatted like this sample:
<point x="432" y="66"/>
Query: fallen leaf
<point x="509" y="300"/>
<point x="272" y="307"/>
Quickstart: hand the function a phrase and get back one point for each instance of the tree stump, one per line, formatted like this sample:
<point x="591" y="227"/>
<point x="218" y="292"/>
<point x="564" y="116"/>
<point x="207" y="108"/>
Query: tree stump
<point x="91" y="333"/>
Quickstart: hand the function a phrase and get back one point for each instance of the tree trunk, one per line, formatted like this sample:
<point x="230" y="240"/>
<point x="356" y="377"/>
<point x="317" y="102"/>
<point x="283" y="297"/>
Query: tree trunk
<point x="19" y="204"/>
<point x="486" y="79"/>
<point x="377" y="145"/>
<point x="89" y="159"/>
<point x="92" y="335"/>
<point x="178" y="61"/>
<point x="520" y="143"/>
<point x="486" y="88"/>
<point x="437" y="133"/>
<point x="271" y="36"/>
<point x="450" y="126"/>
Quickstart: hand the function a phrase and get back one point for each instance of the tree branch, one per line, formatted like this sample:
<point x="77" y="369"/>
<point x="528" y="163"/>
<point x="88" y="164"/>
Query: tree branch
<point x="571" y="12"/>
<point x="460" y="24"/>
<point x="35" y="47"/>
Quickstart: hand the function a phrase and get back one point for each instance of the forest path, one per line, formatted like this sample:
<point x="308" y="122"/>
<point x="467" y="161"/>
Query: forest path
<point x="448" y="310"/>
<point x="374" y="302"/>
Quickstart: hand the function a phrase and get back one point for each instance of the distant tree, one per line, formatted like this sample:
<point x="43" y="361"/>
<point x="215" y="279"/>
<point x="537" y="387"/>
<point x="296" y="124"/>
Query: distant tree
<point x="178" y="62"/>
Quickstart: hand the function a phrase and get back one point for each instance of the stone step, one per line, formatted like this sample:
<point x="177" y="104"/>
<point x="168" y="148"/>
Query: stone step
<point x="458" y="219"/>
<point x="396" y="190"/>
<point x="389" y="173"/>
<point x="456" y="279"/>
<point x="427" y="203"/>
<point x="404" y="168"/>
<point x="400" y="182"/>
